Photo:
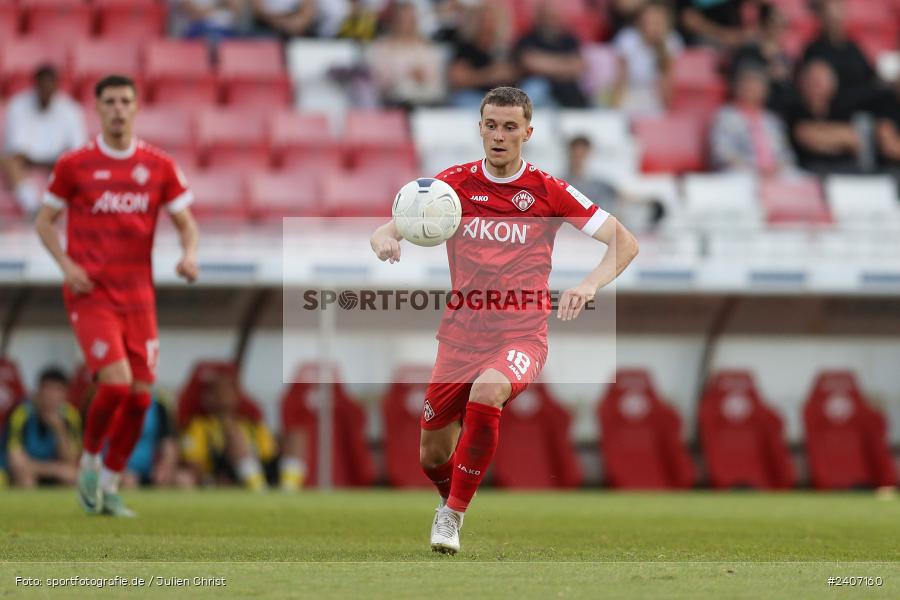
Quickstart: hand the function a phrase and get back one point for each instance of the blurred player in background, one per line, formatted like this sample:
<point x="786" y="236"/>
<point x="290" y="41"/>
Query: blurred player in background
<point x="485" y="360"/>
<point x="114" y="187"/>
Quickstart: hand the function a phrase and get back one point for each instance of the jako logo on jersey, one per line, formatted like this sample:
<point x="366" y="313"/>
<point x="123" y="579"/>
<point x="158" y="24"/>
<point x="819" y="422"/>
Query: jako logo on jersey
<point x="121" y="202"/>
<point x="495" y="231"/>
<point x="140" y="174"/>
<point x="104" y="174"/>
<point x="469" y="471"/>
<point x="479" y="198"/>
<point x="523" y="200"/>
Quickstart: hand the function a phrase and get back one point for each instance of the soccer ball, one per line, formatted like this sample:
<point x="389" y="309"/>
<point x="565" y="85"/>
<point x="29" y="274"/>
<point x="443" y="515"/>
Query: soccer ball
<point x="427" y="211"/>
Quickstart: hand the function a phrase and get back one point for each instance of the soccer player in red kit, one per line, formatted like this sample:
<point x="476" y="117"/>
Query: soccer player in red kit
<point x="510" y="213"/>
<point x="113" y="188"/>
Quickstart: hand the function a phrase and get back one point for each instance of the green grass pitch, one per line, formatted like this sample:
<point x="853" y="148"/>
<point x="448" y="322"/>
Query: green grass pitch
<point x="374" y="544"/>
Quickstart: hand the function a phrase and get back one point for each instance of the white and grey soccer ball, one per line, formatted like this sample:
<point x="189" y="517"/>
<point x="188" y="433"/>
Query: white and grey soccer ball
<point x="427" y="211"/>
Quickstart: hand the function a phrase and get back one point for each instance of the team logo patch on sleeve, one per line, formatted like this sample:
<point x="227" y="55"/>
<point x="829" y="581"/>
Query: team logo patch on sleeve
<point x="523" y="200"/>
<point x="581" y="198"/>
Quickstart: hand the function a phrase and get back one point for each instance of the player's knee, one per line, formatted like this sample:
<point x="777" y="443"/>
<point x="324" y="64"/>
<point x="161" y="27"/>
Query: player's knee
<point x="117" y="373"/>
<point x="431" y="456"/>
<point x="491" y="394"/>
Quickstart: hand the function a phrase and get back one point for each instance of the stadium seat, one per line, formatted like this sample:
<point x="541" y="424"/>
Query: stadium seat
<point x="671" y="144"/>
<point x="351" y="461"/>
<point x="888" y="66"/>
<point x="378" y="137"/>
<point x="722" y="200"/>
<point x="20" y="57"/>
<point x="9" y="20"/>
<point x="697" y="87"/>
<point x="614" y="151"/>
<point x="304" y="141"/>
<point x="536" y="451"/>
<point x="401" y="408"/>
<point x="641" y="444"/>
<point x="94" y="59"/>
<point x="742" y="438"/>
<point x="252" y="73"/>
<point x="445" y="137"/>
<point x="60" y="22"/>
<point x="846" y="439"/>
<point x="798" y="200"/>
<point x="358" y="193"/>
<point x="863" y="200"/>
<point x="178" y="72"/>
<point x="874" y="26"/>
<point x="219" y="195"/>
<point x="273" y="196"/>
<point x="601" y="69"/>
<point x="190" y="399"/>
<point x="11" y="389"/>
<point x="316" y="68"/>
<point x="132" y="20"/>
<point x="172" y="129"/>
<point x="233" y="138"/>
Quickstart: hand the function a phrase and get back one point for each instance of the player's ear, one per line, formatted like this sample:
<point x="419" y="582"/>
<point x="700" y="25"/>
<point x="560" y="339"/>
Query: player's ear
<point x="528" y="133"/>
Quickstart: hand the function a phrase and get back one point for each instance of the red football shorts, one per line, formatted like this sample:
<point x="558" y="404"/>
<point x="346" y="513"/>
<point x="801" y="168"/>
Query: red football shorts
<point x="456" y="368"/>
<point x="107" y="336"/>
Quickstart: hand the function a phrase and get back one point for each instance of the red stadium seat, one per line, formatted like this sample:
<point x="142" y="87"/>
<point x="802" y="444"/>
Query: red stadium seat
<point x="179" y="72"/>
<point x="233" y="138"/>
<point x="358" y="193"/>
<point x="846" y="439"/>
<point x="252" y="73"/>
<point x="133" y="20"/>
<point x="219" y="195"/>
<point x="873" y="25"/>
<point x="11" y="389"/>
<point x="383" y="134"/>
<point x="697" y="86"/>
<point x="170" y="128"/>
<point x="401" y="409"/>
<point x="794" y="200"/>
<point x="20" y="57"/>
<point x="273" y="196"/>
<point x="9" y="20"/>
<point x="671" y="144"/>
<point x="351" y="461"/>
<point x="641" y="437"/>
<point x="535" y="450"/>
<point x="94" y="59"/>
<point x="58" y="21"/>
<point x="190" y="399"/>
<point x="304" y="141"/>
<point x="743" y="439"/>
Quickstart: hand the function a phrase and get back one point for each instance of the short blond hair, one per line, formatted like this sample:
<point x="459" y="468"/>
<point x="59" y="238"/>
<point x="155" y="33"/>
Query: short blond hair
<point x="508" y="96"/>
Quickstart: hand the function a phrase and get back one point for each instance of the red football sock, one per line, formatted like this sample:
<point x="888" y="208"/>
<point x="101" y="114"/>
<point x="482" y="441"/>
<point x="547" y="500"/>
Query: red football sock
<point x="126" y="430"/>
<point x="480" y="435"/>
<point x="107" y="400"/>
<point x="441" y="476"/>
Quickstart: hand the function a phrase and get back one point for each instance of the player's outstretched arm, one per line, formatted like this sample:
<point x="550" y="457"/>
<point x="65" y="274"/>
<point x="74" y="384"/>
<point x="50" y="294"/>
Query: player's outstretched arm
<point x="621" y="248"/>
<point x="188" y="235"/>
<point x="386" y="242"/>
<point x="76" y="278"/>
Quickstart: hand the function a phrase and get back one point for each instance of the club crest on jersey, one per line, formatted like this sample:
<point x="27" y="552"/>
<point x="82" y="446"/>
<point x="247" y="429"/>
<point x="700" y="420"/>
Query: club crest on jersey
<point x="99" y="349"/>
<point x="429" y="412"/>
<point x="140" y="174"/>
<point x="523" y="200"/>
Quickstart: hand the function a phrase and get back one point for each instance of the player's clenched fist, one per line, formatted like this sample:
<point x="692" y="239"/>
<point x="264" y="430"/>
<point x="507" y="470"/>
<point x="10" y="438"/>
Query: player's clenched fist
<point x="386" y="248"/>
<point x="573" y="300"/>
<point x="77" y="279"/>
<point x="187" y="269"/>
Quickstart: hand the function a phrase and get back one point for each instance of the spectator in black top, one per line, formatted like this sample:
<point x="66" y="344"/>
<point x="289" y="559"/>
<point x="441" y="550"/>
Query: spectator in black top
<point x="550" y="61"/>
<point x="856" y="77"/>
<point x="887" y="132"/>
<point x="284" y="18"/>
<point x="766" y="51"/>
<point x="714" y="22"/>
<point x="481" y="55"/>
<point x="820" y="126"/>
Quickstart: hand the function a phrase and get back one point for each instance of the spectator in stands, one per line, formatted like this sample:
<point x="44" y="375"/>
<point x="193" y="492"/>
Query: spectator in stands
<point x="449" y="17"/>
<point x="549" y="59"/>
<point x="41" y="124"/>
<point x="766" y="50"/>
<point x="887" y="132"/>
<point x="745" y="135"/>
<point x="407" y="69"/>
<point x="646" y="52"/>
<point x="154" y="460"/>
<point x="222" y="446"/>
<point x="43" y="435"/>
<point x="360" y="22"/>
<point x="285" y="18"/>
<point x="713" y="22"/>
<point x="623" y="13"/>
<point x="292" y="466"/>
<point x="856" y="77"/>
<point x="481" y="58"/>
<point x="213" y="20"/>
<point x="820" y="124"/>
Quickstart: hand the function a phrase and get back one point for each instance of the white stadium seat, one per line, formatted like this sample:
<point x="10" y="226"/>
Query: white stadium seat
<point x="726" y="201"/>
<point x="863" y="200"/>
<point x="615" y="153"/>
<point x="309" y="65"/>
<point x="545" y="149"/>
<point x="661" y="187"/>
<point x="888" y="66"/>
<point x="445" y="136"/>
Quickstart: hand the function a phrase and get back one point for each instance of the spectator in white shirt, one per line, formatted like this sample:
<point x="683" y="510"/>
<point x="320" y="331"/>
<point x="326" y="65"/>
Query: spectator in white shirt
<point x="41" y="124"/>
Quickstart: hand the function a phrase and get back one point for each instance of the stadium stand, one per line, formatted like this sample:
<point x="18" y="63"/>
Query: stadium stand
<point x="697" y="87"/>
<point x="742" y="438"/>
<point x="304" y="141"/>
<point x="178" y="72"/>
<point x="401" y="409"/>
<point x="536" y="452"/>
<point x="273" y="196"/>
<point x="845" y="436"/>
<point x="21" y="56"/>
<point x="133" y="20"/>
<point x="219" y="196"/>
<point x="863" y="199"/>
<point x="641" y="446"/>
<point x="93" y="59"/>
<point x="203" y="373"/>
<point x="725" y="200"/>
<point x="795" y="200"/>
<point x="233" y="138"/>
<point x="55" y="21"/>
<point x="252" y="74"/>
<point x="671" y="143"/>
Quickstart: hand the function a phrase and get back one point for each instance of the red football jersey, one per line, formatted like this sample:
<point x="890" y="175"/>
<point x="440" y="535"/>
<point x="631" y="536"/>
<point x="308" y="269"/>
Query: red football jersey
<point x="500" y="257"/>
<point x="113" y="199"/>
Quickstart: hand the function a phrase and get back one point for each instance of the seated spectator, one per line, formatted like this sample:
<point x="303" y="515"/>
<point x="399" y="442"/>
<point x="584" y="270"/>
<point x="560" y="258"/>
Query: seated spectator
<point x="716" y="23"/>
<point x="745" y="135"/>
<point x="887" y="132"/>
<point x="449" y="16"/>
<point x="43" y="437"/>
<point x="221" y="446"/>
<point x="819" y="124"/>
<point x="41" y="124"/>
<point x="623" y="13"/>
<point x="285" y="18"/>
<point x="212" y="20"/>
<point x="855" y="76"/>
<point x="645" y="54"/>
<point x="360" y="22"/>
<point x="766" y="50"/>
<point x="549" y="59"/>
<point x="408" y="70"/>
<point x="292" y="466"/>
<point x="480" y="55"/>
<point x="154" y="460"/>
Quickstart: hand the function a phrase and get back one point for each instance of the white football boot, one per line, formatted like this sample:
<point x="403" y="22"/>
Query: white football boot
<point x="445" y="530"/>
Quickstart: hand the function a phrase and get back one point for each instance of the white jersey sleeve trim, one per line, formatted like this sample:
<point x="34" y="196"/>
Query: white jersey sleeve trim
<point x="54" y="201"/>
<point x="180" y="202"/>
<point x="595" y="222"/>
